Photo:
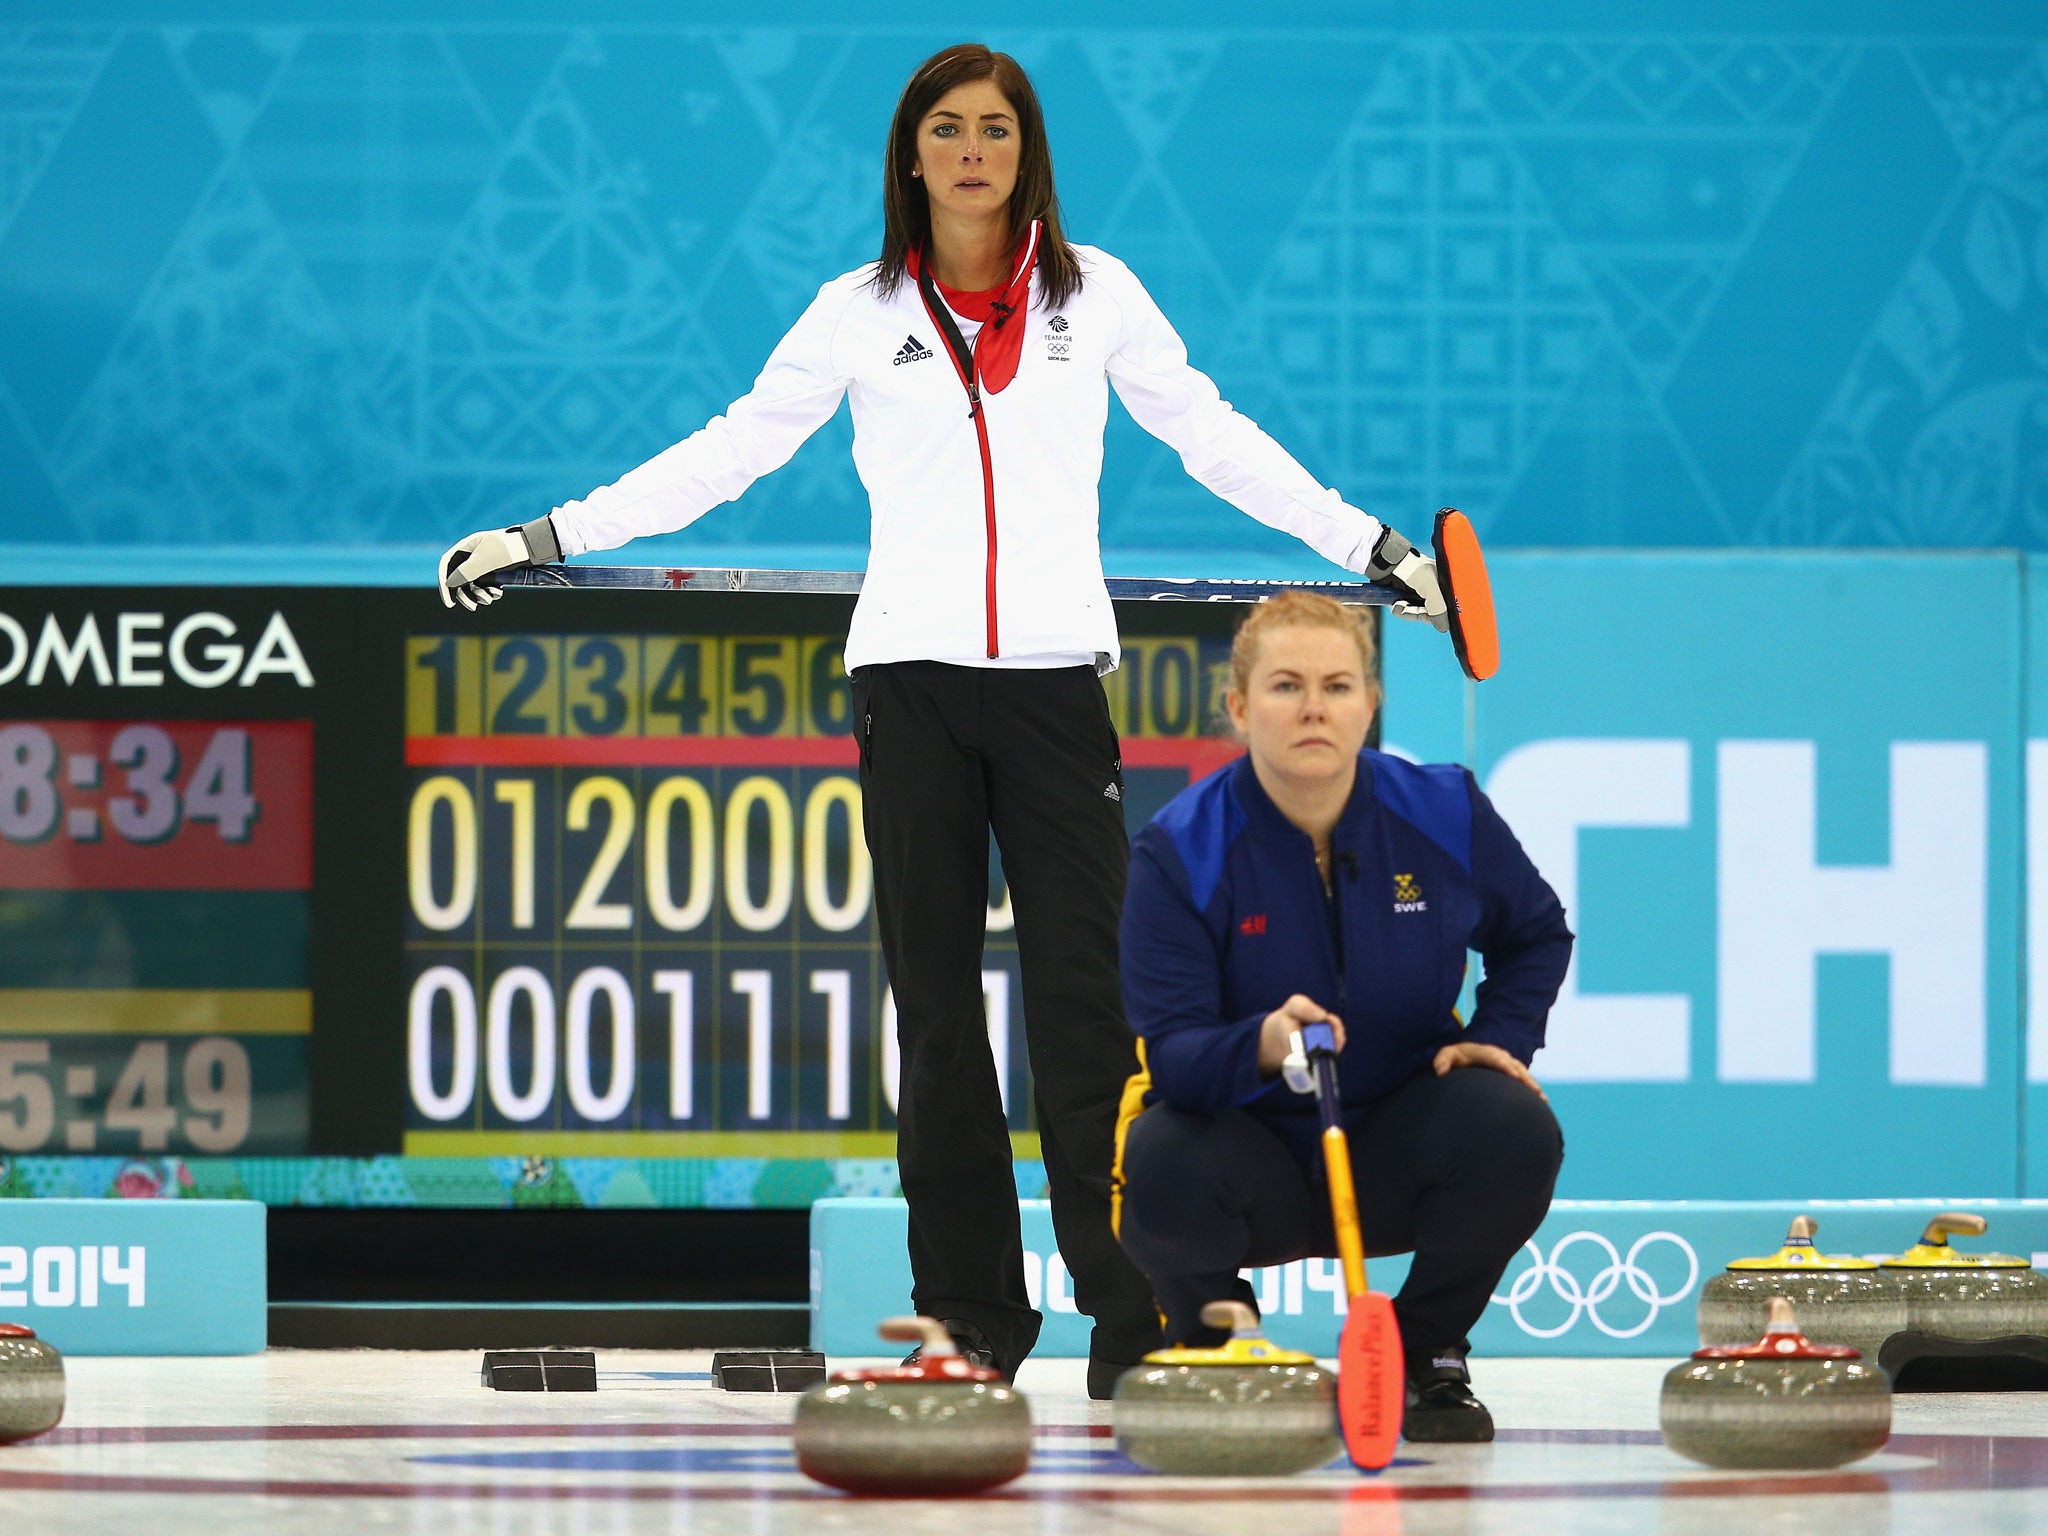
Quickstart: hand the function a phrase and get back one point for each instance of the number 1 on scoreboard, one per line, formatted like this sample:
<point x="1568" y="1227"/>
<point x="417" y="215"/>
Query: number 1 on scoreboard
<point x="444" y="685"/>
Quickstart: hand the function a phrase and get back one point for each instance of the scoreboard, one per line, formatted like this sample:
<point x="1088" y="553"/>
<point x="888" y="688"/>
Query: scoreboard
<point x="293" y="874"/>
<point x="639" y="909"/>
<point x="156" y="870"/>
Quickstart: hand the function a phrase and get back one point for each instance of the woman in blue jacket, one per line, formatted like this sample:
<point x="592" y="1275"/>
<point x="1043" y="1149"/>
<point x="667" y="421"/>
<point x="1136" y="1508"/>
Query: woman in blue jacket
<point x="1312" y="880"/>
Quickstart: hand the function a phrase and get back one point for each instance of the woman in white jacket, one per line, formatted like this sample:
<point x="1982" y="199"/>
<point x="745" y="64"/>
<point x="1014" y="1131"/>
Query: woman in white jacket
<point x="977" y="354"/>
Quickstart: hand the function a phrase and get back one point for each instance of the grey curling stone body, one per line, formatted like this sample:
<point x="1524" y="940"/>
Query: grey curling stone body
<point x="1959" y="1295"/>
<point x="1839" y="1299"/>
<point x="1782" y="1403"/>
<point x="936" y="1427"/>
<point x="1245" y="1409"/>
<point x="31" y="1385"/>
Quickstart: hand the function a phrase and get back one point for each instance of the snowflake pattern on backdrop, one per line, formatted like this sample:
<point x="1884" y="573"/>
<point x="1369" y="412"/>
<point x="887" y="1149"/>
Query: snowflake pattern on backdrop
<point x="555" y="346"/>
<point x="1939" y="434"/>
<point x="410" y="279"/>
<point x="43" y="77"/>
<point x="230" y="403"/>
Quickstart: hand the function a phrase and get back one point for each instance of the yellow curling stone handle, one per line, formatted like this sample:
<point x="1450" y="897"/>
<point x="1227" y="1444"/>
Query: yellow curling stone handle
<point x="1799" y="1253"/>
<point x="1933" y="1250"/>
<point x="1245" y="1346"/>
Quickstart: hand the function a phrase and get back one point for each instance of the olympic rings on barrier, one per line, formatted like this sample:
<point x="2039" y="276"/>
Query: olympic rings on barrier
<point x="1585" y="1300"/>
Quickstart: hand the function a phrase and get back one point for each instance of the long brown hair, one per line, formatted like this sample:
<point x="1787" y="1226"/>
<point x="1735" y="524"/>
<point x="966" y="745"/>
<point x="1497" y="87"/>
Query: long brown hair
<point x="906" y="209"/>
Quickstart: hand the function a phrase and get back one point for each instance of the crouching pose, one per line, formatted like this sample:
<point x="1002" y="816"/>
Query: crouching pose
<point x="1314" y="880"/>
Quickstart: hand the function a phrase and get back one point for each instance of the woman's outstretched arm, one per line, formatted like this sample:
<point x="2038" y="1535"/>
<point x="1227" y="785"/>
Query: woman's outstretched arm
<point x="1225" y="450"/>
<point x="798" y="390"/>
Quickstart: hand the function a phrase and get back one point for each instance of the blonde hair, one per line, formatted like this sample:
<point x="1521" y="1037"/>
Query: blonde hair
<point x="1302" y="610"/>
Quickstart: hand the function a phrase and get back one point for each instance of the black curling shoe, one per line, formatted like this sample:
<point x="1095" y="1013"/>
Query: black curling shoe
<point x="973" y="1345"/>
<point x="1441" y="1407"/>
<point x="1104" y="1374"/>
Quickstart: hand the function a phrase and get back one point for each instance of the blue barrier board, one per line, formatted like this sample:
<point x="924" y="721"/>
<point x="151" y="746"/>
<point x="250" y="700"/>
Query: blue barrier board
<point x="137" y="1277"/>
<point x="1600" y="1277"/>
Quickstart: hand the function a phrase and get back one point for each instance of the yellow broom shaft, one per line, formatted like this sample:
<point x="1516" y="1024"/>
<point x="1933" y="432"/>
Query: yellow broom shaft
<point x="1344" y="1210"/>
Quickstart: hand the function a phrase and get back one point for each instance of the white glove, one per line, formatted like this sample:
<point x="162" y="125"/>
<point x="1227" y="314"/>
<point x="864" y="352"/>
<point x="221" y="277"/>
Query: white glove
<point x="1399" y="564"/>
<point x="469" y="570"/>
<point x="1294" y="1067"/>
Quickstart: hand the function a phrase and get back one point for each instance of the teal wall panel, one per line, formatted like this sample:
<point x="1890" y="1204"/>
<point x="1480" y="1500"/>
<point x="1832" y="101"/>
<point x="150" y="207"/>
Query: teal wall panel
<point x="137" y="1277"/>
<point x="1781" y="795"/>
<point x="2034" y="963"/>
<point x="1608" y="1278"/>
<point x="363" y="281"/>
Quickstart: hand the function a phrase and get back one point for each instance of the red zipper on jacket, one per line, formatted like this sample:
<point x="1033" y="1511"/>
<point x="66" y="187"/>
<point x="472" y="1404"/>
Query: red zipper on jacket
<point x="988" y="512"/>
<point x="949" y="333"/>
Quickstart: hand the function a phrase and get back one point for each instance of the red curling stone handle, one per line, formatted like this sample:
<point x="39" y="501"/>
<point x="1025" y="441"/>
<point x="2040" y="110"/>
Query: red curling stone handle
<point x="1778" y="1346"/>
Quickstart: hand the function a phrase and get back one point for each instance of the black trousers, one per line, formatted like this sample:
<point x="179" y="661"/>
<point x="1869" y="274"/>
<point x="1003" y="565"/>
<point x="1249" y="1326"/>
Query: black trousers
<point x="947" y="754"/>
<point x="1456" y="1169"/>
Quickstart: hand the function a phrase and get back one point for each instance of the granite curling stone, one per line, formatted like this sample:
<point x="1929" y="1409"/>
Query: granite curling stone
<point x="1781" y="1403"/>
<point x="1840" y="1299"/>
<point x="1967" y="1295"/>
<point x="932" y="1428"/>
<point x="1245" y="1409"/>
<point x="31" y="1384"/>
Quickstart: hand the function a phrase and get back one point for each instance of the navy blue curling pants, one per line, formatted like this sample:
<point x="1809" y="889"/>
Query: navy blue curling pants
<point x="1457" y="1170"/>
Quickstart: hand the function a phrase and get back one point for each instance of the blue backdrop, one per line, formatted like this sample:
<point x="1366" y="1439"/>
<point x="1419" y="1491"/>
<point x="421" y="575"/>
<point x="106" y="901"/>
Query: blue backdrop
<point x="373" y="277"/>
<point x="1781" y="796"/>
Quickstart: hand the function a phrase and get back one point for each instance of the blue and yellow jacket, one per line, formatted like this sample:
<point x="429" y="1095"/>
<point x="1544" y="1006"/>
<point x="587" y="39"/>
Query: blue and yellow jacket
<point x="1226" y="918"/>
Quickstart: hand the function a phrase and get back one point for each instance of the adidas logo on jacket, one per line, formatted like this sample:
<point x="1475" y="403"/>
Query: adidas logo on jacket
<point x="947" y="578"/>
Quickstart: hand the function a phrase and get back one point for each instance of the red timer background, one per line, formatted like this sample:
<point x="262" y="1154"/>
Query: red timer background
<point x="167" y="805"/>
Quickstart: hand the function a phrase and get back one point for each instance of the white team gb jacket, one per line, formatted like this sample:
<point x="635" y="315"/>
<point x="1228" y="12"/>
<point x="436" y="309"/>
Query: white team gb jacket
<point x="977" y="554"/>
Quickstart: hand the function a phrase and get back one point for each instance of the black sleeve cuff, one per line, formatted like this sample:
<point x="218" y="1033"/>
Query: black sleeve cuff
<point x="1388" y="551"/>
<point x="541" y="542"/>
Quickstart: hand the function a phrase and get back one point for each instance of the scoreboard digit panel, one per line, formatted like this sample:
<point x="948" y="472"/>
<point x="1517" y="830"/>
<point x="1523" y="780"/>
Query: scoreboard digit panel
<point x="638" y="907"/>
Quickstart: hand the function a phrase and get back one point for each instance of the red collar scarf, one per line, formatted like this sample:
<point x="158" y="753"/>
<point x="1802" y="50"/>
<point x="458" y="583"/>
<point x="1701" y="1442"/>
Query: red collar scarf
<point x="1000" y="344"/>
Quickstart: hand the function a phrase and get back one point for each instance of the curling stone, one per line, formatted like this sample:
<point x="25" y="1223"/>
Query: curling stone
<point x="928" y="1429"/>
<point x="1840" y="1299"/>
<point x="1782" y="1402"/>
<point x="1967" y="1295"/>
<point x="1245" y="1409"/>
<point x="31" y="1384"/>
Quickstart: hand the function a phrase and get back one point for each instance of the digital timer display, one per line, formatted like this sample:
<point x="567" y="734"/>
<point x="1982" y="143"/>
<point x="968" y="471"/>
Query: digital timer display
<point x="93" y="803"/>
<point x="155" y="996"/>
